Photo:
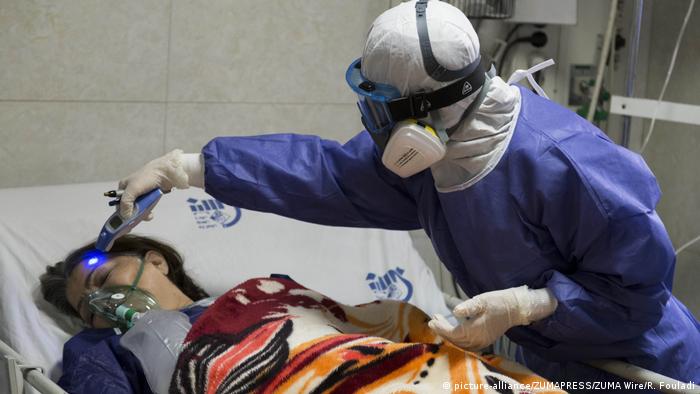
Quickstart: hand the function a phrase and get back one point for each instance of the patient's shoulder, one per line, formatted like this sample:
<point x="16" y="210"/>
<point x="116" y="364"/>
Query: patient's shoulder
<point x="90" y="337"/>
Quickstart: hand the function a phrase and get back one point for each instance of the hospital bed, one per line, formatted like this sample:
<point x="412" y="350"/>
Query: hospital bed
<point x="222" y="246"/>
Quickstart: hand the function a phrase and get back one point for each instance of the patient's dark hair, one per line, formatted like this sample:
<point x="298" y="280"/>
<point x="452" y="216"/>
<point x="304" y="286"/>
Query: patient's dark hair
<point x="54" y="281"/>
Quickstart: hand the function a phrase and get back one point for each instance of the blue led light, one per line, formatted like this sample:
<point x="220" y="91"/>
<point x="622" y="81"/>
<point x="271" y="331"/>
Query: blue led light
<point x="94" y="258"/>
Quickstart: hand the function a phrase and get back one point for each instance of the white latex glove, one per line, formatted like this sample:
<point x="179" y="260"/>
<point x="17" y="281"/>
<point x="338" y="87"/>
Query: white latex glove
<point x="489" y="315"/>
<point x="175" y="169"/>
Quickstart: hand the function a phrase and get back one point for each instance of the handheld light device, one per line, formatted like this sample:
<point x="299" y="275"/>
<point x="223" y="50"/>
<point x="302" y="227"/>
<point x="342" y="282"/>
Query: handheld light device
<point x="116" y="225"/>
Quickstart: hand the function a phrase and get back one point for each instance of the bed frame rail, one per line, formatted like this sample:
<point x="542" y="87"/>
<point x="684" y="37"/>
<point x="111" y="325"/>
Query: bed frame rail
<point x="18" y="371"/>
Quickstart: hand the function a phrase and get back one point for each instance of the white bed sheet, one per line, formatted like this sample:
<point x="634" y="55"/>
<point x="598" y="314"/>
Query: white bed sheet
<point x="222" y="246"/>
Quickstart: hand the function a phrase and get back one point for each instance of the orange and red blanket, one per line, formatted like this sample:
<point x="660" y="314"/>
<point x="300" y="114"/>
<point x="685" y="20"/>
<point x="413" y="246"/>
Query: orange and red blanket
<point x="273" y="335"/>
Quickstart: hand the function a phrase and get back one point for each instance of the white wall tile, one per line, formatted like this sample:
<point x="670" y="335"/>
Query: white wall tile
<point x="190" y="126"/>
<point x="56" y="143"/>
<point x="267" y="51"/>
<point x="83" y="50"/>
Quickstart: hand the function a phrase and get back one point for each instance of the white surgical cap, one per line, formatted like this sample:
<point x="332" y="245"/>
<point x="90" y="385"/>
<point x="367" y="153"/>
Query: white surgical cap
<point x="392" y="53"/>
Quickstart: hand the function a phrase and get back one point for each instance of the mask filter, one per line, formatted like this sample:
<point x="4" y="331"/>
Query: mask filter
<point x="413" y="147"/>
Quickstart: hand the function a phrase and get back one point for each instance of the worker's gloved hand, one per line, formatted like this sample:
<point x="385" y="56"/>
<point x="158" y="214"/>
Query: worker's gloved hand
<point x="175" y="169"/>
<point x="489" y="315"/>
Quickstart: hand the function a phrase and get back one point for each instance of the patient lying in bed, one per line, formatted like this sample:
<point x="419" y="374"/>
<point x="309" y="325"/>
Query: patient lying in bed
<point x="264" y="335"/>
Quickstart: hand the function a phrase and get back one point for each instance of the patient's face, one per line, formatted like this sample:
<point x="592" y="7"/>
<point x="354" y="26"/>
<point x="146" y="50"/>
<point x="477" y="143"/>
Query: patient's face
<point x="121" y="270"/>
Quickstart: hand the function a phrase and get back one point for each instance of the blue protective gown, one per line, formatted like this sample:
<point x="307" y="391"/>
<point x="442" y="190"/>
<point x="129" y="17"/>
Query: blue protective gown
<point x="565" y="208"/>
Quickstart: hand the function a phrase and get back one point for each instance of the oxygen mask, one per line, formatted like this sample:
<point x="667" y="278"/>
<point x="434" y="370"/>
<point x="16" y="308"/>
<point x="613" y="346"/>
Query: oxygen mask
<point x="122" y="305"/>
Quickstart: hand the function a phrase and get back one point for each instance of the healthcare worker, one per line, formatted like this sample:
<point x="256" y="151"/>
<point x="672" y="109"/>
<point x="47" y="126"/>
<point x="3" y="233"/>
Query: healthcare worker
<point x="546" y="223"/>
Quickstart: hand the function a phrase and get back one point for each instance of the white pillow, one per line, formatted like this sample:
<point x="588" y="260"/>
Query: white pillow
<point x="222" y="246"/>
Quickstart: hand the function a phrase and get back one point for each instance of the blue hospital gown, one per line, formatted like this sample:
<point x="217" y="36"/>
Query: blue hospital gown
<point x="565" y="208"/>
<point x="94" y="362"/>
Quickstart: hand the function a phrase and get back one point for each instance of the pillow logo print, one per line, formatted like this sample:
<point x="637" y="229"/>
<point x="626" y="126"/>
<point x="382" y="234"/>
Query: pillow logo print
<point x="211" y="213"/>
<point x="392" y="285"/>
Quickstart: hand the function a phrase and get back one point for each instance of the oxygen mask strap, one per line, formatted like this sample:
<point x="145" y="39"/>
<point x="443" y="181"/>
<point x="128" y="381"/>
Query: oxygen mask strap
<point x="138" y="274"/>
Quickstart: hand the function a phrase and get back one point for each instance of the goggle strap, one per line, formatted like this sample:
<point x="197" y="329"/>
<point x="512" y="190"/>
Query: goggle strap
<point x="469" y="112"/>
<point x="442" y="134"/>
<point x="418" y="105"/>
<point x="431" y="65"/>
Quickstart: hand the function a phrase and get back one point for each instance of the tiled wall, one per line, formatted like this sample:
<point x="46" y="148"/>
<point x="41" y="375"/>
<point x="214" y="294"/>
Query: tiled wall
<point x="90" y="90"/>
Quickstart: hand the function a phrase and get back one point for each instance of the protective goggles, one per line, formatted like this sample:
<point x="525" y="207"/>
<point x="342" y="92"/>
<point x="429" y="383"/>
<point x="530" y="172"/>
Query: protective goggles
<point x="372" y="100"/>
<point x="382" y="106"/>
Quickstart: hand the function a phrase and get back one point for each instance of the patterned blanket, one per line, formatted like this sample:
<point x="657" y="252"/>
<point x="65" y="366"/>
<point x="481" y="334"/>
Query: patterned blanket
<point x="275" y="336"/>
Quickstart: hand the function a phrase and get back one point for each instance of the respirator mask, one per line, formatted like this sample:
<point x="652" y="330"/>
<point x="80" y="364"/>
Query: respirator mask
<point x="410" y="146"/>
<point x="122" y="305"/>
